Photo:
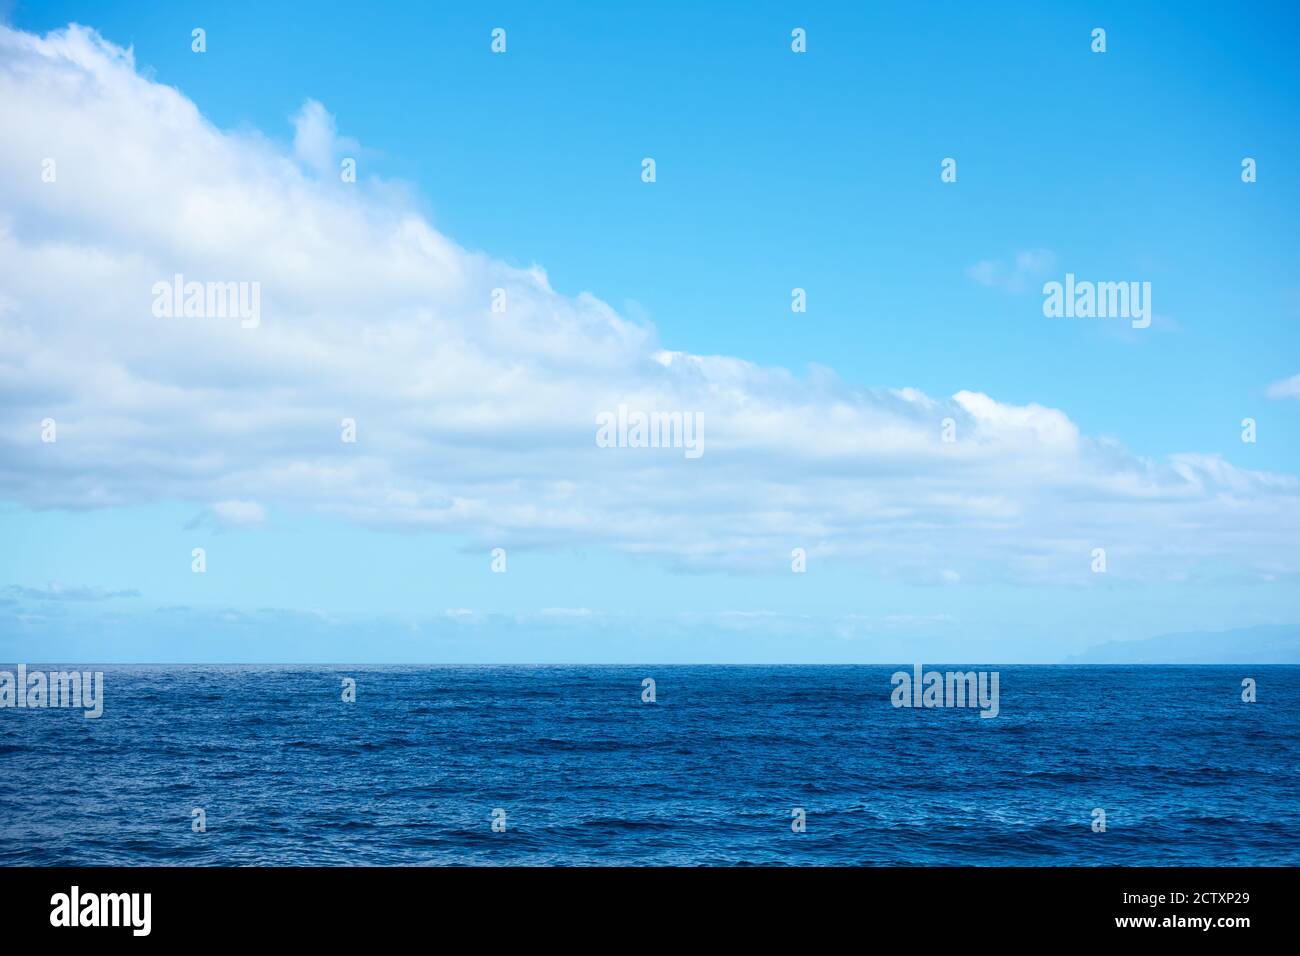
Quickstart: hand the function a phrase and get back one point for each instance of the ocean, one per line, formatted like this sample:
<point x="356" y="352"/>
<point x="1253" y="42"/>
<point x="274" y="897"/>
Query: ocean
<point x="573" y="768"/>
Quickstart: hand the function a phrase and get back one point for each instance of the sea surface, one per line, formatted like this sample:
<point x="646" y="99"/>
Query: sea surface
<point x="586" y="773"/>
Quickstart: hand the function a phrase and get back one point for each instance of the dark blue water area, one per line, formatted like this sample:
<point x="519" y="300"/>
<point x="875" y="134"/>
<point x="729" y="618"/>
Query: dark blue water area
<point x="288" y="773"/>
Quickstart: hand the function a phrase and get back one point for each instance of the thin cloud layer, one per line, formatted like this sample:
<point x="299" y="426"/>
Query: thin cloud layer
<point x="481" y="421"/>
<point x="1287" y="388"/>
<point x="1019" y="275"/>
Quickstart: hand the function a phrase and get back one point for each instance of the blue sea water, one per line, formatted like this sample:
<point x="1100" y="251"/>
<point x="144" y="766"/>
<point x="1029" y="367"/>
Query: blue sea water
<point x="410" y="773"/>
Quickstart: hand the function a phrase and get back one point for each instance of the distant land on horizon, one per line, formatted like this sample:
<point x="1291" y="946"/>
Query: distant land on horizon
<point x="1270" y="644"/>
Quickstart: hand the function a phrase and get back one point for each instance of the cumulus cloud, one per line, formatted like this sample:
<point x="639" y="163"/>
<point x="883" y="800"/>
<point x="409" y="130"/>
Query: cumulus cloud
<point x="481" y="421"/>
<point x="316" y="141"/>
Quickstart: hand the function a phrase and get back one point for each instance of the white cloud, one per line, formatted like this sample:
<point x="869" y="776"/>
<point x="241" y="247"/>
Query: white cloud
<point x="314" y="135"/>
<point x="232" y="515"/>
<point x="1287" y="388"/>
<point x="59" y="592"/>
<point x="316" y="141"/>
<point x="480" y="422"/>
<point x="1016" y="274"/>
<point x="240" y="514"/>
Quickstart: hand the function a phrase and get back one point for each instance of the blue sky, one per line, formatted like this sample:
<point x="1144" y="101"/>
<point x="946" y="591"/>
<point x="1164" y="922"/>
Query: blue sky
<point x="775" y="170"/>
